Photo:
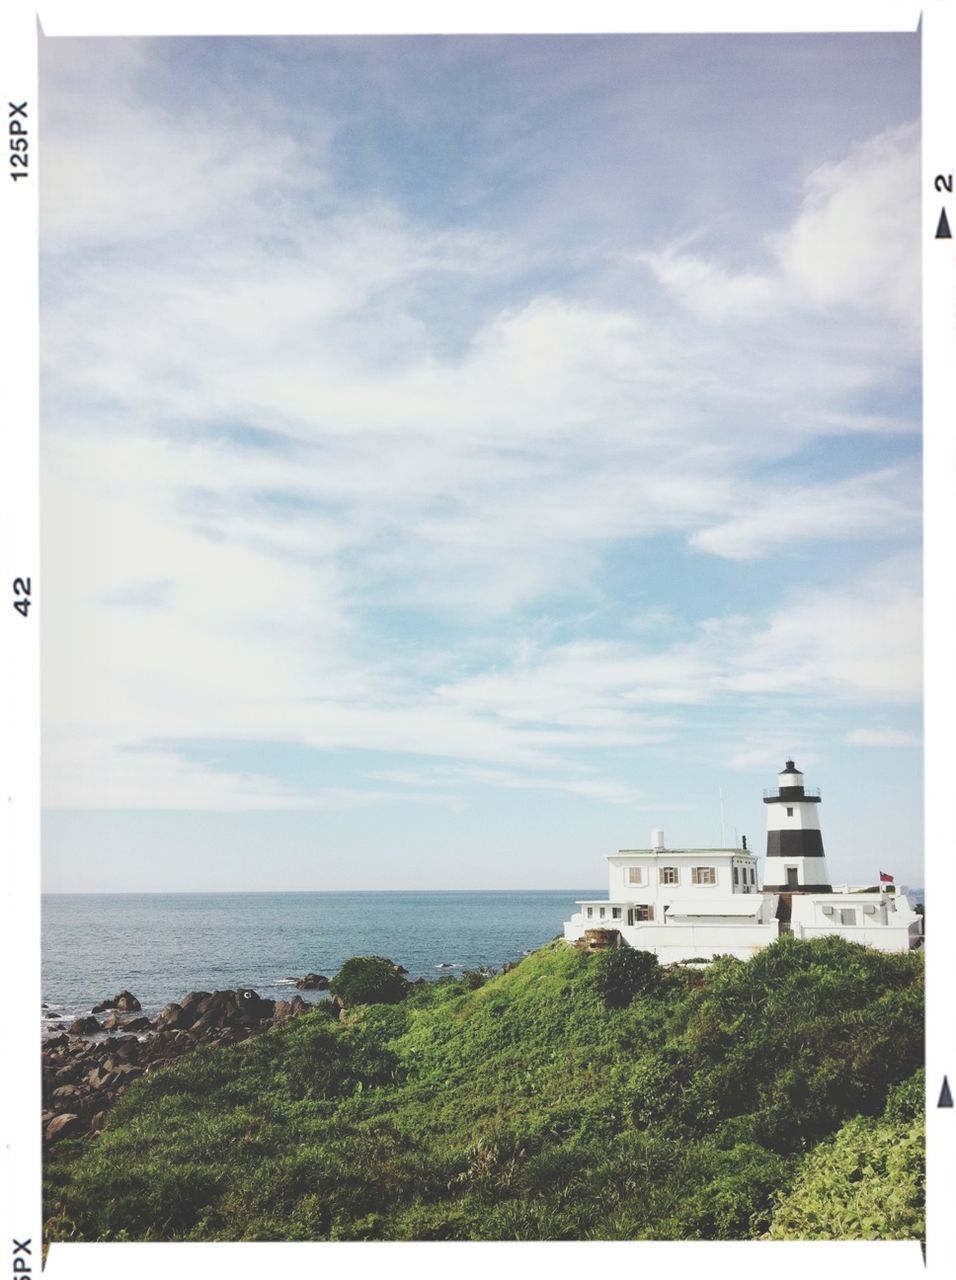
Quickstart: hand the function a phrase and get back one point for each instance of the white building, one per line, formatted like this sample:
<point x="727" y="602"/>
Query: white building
<point x="693" y="904"/>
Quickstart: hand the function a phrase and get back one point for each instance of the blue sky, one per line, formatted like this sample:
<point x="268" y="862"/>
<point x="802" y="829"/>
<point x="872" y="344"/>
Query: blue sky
<point x="461" y="455"/>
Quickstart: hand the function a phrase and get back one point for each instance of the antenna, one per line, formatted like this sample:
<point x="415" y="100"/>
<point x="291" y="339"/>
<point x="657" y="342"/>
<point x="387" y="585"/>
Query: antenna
<point x="722" y="840"/>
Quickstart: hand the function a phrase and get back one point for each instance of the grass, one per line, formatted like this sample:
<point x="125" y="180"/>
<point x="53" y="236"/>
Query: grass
<point x="548" y="1103"/>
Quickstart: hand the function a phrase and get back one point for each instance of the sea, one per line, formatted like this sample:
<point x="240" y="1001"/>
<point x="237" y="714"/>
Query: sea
<point x="160" y="946"/>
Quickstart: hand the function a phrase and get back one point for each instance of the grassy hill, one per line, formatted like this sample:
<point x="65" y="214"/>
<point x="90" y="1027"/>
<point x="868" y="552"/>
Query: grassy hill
<point x="574" y="1097"/>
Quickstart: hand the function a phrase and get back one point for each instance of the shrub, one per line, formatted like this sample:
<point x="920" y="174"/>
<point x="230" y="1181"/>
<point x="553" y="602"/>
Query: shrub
<point x="472" y="979"/>
<point x="625" y="973"/>
<point x="867" y="1183"/>
<point x="369" y="980"/>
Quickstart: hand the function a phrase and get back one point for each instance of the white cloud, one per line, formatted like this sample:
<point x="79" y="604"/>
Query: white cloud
<point x="876" y="504"/>
<point x="882" y="738"/>
<point x="853" y="250"/>
<point x="862" y="642"/>
<point x="198" y="588"/>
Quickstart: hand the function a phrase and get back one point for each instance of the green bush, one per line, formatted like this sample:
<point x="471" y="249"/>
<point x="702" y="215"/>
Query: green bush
<point x="369" y="980"/>
<point x="574" y="1097"/>
<point x="867" y="1183"/>
<point x="624" y="973"/>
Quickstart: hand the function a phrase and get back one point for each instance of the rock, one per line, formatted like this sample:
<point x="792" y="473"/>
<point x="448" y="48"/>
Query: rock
<point x="84" y="1027"/>
<point x="125" y="1000"/>
<point x="62" y="1126"/>
<point x="599" y="940"/>
<point x="282" y="1011"/>
<point x="196" y="1003"/>
<point x="97" y="1122"/>
<point x="209" y="1022"/>
<point x="126" y="1048"/>
<point x="113" y="1022"/>
<point x="65" y="1091"/>
<point x="298" y="1005"/>
<point x="313" y="982"/>
<point x="158" y="1064"/>
<point x="170" y="1017"/>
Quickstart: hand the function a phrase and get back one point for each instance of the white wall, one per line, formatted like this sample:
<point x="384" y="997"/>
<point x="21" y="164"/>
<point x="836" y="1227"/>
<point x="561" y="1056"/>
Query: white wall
<point x="805" y="817"/>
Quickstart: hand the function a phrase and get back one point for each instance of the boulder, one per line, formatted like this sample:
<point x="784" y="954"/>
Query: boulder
<point x="84" y="1027"/>
<point x="196" y="1003"/>
<point x="113" y="1022"/>
<point x="313" y="982"/>
<point x="126" y="1048"/>
<point x="62" y="1126"/>
<point x="171" y="1017"/>
<point x="281" y="1011"/>
<point x="65" y="1091"/>
<point x="210" y="1022"/>
<point x="125" y="1000"/>
<point x="97" y="1122"/>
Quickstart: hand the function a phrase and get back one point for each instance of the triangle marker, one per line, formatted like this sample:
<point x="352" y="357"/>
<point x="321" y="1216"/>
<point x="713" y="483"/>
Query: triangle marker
<point x="942" y="230"/>
<point x="945" y="1097"/>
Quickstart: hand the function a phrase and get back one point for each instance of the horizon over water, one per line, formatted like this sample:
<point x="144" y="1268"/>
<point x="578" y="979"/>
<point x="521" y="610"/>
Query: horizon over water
<point x="159" y="945"/>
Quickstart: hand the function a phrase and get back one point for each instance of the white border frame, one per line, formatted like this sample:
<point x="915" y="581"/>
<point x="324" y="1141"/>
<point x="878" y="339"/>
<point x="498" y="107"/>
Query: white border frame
<point x="19" y="655"/>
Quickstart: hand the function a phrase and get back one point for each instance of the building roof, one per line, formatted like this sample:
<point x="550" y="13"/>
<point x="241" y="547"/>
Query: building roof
<point x="683" y="853"/>
<point x="740" y="904"/>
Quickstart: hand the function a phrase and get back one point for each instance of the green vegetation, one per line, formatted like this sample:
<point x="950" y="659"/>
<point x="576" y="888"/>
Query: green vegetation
<point x="369" y="980"/>
<point x="574" y="1097"/>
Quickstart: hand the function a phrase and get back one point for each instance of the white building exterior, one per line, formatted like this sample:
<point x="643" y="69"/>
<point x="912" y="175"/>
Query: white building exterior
<point x="693" y="904"/>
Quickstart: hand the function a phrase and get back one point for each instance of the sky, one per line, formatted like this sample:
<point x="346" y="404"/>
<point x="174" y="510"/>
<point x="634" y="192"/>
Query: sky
<point x="461" y="455"/>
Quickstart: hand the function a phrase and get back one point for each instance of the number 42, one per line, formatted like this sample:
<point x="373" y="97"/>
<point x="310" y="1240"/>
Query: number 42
<point x="21" y="587"/>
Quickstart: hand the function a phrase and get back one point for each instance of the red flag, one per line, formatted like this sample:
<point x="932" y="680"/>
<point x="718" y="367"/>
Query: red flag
<point x="885" y="879"/>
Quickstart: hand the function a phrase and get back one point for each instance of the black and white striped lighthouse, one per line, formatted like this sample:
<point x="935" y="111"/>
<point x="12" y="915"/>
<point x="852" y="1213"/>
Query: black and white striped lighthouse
<point x="795" y="858"/>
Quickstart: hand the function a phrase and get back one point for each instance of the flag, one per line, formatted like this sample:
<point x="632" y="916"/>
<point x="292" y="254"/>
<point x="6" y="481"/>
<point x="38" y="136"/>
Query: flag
<point x="885" y="879"/>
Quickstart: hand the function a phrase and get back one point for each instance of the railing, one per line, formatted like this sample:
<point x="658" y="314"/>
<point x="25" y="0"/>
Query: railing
<point x="770" y="793"/>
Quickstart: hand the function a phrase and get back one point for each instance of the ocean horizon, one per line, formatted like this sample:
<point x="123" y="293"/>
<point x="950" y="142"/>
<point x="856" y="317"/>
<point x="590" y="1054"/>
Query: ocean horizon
<point x="161" y="945"/>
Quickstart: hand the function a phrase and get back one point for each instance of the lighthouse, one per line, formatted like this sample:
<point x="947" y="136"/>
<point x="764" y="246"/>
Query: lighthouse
<point x="689" y="905"/>
<point x="795" y="858"/>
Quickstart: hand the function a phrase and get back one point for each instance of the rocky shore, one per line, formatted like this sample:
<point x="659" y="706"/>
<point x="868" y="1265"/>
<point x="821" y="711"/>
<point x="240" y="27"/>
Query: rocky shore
<point x="82" y="1077"/>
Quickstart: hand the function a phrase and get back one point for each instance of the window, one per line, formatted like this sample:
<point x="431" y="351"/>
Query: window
<point x="668" y="875"/>
<point x="635" y="875"/>
<point x="847" y="915"/>
<point x="736" y="876"/>
<point x="615" y="913"/>
<point x="590" y="912"/>
<point x="602" y="912"/>
<point x="643" y="911"/>
<point x="789" y="813"/>
<point x="753" y="875"/>
<point x="706" y="875"/>
<point x="792" y="878"/>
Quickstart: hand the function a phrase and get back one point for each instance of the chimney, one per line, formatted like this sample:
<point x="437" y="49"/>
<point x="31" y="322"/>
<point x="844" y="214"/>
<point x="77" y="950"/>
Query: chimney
<point x="657" y="838"/>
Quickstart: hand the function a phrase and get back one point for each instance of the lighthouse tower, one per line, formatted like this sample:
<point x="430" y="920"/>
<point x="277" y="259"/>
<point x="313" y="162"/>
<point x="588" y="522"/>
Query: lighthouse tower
<point x="795" y="858"/>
